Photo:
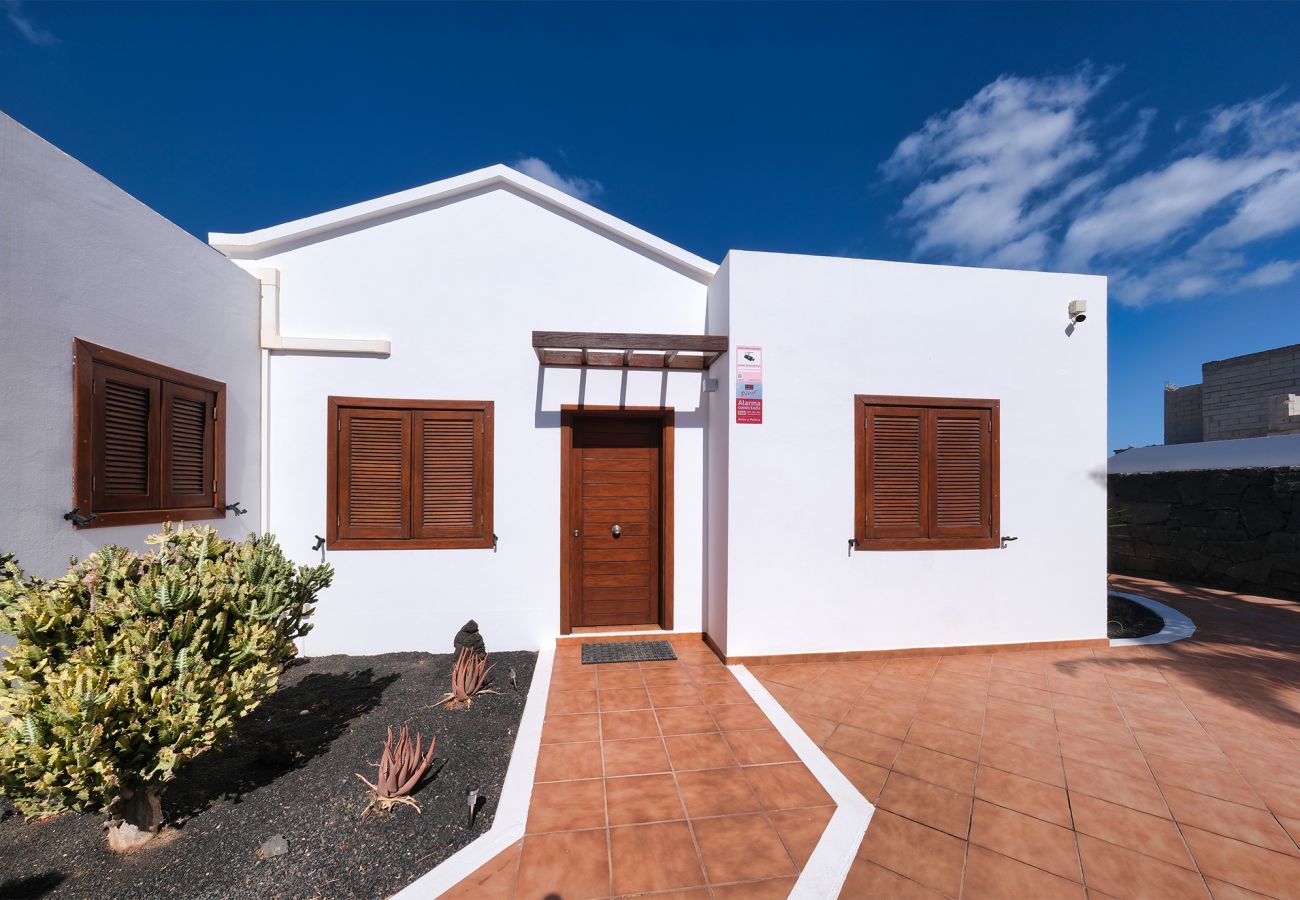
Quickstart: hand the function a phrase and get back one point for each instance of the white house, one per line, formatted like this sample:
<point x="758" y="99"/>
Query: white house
<point x="492" y="400"/>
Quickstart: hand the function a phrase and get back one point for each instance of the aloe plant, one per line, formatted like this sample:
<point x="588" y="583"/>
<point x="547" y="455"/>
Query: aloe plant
<point x="401" y="766"/>
<point x="468" y="679"/>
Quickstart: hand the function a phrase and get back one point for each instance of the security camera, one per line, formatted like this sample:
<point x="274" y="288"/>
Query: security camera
<point x="1078" y="311"/>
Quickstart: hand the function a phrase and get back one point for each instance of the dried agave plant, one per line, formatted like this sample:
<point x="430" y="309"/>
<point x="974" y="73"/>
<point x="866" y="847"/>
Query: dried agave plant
<point x="400" y="769"/>
<point x="468" y="677"/>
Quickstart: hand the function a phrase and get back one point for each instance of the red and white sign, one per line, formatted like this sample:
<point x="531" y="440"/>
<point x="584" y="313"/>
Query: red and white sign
<point x="749" y="385"/>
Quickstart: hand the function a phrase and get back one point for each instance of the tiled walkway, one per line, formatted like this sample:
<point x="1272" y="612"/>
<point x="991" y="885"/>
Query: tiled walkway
<point x="658" y="778"/>
<point x="1159" y="771"/>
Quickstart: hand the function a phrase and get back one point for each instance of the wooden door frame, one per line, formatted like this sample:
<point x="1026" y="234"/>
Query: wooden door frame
<point x="667" y="416"/>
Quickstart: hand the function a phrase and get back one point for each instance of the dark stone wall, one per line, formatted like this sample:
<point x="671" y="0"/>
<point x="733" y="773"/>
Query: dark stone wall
<point x="1237" y="529"/>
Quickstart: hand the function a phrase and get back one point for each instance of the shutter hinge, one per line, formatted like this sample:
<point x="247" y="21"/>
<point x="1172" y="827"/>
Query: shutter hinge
<point x="93" y="482"/>
<point x="214" y="485"/>
<point x="337" y="521"/>
<point x="214" y="413"/>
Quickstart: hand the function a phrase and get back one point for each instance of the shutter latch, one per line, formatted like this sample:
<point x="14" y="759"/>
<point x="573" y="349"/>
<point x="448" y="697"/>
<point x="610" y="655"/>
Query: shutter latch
<point x="1006" y="539"/>
<point x="853" y="545"/>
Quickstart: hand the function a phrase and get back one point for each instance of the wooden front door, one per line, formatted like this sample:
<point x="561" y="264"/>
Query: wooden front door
<point x="615" y="506"/>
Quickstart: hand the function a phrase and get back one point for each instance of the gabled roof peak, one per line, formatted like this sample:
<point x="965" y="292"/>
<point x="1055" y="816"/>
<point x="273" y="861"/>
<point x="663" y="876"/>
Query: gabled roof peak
<point x="261" y="243"/>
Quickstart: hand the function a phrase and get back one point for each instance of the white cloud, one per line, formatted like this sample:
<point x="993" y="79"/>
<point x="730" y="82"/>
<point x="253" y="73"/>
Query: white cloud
<point x="582" y="188"/>
<point x="1023" y="175"/>
<point x="34" y="34"/>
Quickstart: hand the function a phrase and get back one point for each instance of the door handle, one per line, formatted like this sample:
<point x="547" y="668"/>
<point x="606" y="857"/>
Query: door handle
<point x="616" y="530"/>
<point x="576" y="532"/>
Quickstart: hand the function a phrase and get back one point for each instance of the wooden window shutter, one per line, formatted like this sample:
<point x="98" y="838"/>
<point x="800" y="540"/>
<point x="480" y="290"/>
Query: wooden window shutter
<point x="960" y="499"/>
<point x="188" y="446"/>
<point x="895" y="484"/>
<point x="124" y="438"/>
<point x="374" y="474"/>
<point x="927" y="473"/>
<point x="448" y="478"/>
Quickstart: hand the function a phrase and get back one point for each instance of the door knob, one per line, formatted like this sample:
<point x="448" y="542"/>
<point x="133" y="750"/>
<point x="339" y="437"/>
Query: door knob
<point x="575" y="532"/>
<point x="616" y="530"/>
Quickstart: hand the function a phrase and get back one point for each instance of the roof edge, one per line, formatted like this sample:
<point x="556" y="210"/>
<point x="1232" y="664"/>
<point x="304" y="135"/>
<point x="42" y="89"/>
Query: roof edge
<point x="257" y="244"/>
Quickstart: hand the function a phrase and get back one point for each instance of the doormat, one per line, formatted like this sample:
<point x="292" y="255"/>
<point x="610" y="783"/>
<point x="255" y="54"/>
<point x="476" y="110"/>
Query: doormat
<point x="627" y="651"/>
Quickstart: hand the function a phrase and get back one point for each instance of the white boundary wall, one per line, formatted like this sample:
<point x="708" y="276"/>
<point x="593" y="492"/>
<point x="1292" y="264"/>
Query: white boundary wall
<point x="81" y="258"/>
<point x="1277" y="450"/>
<point x="832" y="328"/>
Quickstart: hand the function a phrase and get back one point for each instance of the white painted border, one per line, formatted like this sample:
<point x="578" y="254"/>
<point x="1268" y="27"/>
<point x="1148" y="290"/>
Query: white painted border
<point x="829" y="864"/>
<point x="512" y="807"/>
<point x="1177" y="625"/>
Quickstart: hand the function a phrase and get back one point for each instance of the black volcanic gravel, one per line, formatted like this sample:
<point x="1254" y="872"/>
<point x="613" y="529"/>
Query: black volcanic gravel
<point x="291" y="772"/>
<point x="1126" y="619"/>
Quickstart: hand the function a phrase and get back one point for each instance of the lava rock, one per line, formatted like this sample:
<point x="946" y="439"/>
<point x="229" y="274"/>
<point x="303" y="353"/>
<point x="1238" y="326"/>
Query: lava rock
<point x="468" y="638"/>
<point x="275" y="846"/>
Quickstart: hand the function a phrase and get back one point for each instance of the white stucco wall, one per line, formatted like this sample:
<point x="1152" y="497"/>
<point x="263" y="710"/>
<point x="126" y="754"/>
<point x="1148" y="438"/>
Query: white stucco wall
<point x="458" y="289"/>
<point x="832" y="328"/>
<point x="716" y="437"/>
<point x="81" y="258"/>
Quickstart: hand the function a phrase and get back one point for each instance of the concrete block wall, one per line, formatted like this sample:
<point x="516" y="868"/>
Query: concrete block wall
<point x="1183" y="414"/>
<point x="1235" y="393"/>
<point x="1284" y="414"/>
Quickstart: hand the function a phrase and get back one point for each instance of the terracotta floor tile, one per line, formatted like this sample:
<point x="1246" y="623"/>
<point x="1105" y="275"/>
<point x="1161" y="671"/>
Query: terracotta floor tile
<point x="580" y="680"/>
<point x="1035" y="736"/>
<point x="624" y="698"/>
<point x="676" y="675"/>
<point x="818" y="730"/>
<point x="943" y="739"/>
<point x="640" y="756"/>
<point x="1217" y="781"/>
<point x="1023" y="761"/>
<point x="741" y="848"/>
<point x="1151" y="835"/>
<point x="1282" y="800"/>
<point x="1121" y="872"/>
<point x="961" y="718"/>
<point x="653" y="858"/>
<point x="930" y="857"/>
<point x="868" y="881"/>
<point x="638" y="799"/>
<point x="952" y="772"/>
<point x="494" y="880"/>
<point x="1200" y="752"/>
<point x="562" y="729"/>
<point x="1254" y="868"/>
<point x="723" y="692"/>
<point x="1221" y="890"/>
<point x="610" y="679"/>
<point x="572" y="864"/>
<point x="564" y="703"/>
<point x="867" y="778"/>
<point x="800" y="830"/>
<point x="686" y="720"/>
<point x="864" y="745"/>
<point x="567" y="806"/>
<point x="1035" y="679"/>
<point x="890" y="722"/>
<point x="666" y="695"/>
<point x="717" y="792"/>
<point x="752" y="748"/>
<point x="698" y="751"/>
<point x="1135" y="789"/>
<point x="1024" y="795"/>
<point x="1125" y="759"/>
<point x="927" y="803"/>
<point x="768" y="889"/>
<point x="739" y="716"/>
<point x="714" y="673"/>
<point x="786" y="786"/>
<point x="1025" y="838"/>
<point x="992" y="875"/>
<point x="565" y="762"/>
<point x="797" y="675"/>
<point x="1020" y="693"/>
<point x="628" y="724"/>
<point x="1244" y="823"/>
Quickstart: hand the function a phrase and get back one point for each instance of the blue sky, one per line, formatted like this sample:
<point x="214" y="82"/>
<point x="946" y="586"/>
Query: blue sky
<point x="1157" y="144"/>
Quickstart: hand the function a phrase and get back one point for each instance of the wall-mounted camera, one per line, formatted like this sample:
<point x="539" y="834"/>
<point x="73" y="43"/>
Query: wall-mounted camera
<point x="1078" y="311"/>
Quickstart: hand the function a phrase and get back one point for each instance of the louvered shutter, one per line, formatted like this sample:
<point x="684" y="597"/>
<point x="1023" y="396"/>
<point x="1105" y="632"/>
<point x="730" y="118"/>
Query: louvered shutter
<point x="448" y="477"/>
<point x="960" y="498"/>
<point x="895" y="477"/>
<point x="125" y="435"/>
<point x="374" y="474"/>
<point x="188" y="438"/>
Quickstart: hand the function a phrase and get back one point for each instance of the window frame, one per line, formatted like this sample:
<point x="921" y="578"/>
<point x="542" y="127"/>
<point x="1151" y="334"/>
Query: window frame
<point x="336" y="405"/>
<point x="87" y="360"/>
<point x="991" y="540"/>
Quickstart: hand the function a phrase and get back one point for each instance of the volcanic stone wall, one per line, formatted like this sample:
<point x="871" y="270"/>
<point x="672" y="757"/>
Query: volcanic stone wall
<point x="1237" y="529"/>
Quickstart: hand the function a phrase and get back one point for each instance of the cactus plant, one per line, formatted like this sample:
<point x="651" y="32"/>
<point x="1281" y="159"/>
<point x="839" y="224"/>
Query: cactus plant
<point x="468" y="679"/>
<point x="133" y="664"/>
<point x="400" y="769"/>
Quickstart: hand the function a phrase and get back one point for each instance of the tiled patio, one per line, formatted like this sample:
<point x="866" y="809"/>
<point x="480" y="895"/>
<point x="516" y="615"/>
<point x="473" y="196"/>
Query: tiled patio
<point x="1159" y="771"/>
<point x="660" y="778"/>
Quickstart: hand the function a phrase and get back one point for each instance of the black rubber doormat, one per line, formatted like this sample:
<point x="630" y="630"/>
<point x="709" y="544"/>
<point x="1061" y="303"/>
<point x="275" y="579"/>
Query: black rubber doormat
<point x="627" y="651"/>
